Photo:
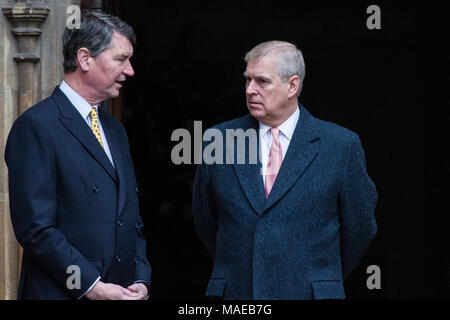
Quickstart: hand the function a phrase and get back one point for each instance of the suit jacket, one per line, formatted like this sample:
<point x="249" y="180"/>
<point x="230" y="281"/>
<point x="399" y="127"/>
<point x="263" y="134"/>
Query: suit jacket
<point x="307" y="236"/>
<point x="69" y="205"/>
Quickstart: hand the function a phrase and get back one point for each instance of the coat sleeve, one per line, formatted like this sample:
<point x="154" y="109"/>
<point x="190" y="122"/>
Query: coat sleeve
<point x="33" y="193"/>
<point x="358" y="199"/>
<point x="204" y="209"/>
<point x="143" y="268"/>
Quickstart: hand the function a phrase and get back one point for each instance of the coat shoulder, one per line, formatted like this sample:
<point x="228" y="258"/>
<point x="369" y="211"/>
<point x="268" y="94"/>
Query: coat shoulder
<point x="334" y="133"/>
<point x="42" y="112"/>
<point x="238" y="123"/>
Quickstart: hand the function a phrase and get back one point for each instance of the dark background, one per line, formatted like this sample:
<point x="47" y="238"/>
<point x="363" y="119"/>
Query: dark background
<point x="382" y="84"/>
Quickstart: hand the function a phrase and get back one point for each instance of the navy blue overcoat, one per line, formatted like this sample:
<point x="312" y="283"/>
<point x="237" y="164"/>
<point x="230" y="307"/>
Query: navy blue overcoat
<point x="69" y="205"/>
<point x="307" y="236"/>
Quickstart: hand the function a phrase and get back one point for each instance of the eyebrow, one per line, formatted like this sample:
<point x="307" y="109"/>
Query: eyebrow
<point x="124" y="56"/>
<point x="258" y="76"/>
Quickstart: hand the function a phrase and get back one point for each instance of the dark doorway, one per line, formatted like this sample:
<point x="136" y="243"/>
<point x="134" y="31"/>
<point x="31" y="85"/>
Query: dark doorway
<point x="189" y="65"/>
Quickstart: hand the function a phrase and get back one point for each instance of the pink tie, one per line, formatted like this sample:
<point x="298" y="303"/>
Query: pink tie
<point x="275" y="159"/>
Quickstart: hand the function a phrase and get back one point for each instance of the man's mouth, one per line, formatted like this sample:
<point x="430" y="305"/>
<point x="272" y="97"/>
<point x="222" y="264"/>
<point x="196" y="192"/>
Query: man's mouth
<point x="254" y="104"/>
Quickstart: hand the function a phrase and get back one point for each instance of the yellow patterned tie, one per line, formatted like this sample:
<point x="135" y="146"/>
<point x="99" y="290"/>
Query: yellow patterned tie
<point x="94" y="125"/>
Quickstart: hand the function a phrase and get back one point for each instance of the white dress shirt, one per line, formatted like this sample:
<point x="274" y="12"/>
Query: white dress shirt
<point x="287" y="129"/>
<point x="84" y="108"/>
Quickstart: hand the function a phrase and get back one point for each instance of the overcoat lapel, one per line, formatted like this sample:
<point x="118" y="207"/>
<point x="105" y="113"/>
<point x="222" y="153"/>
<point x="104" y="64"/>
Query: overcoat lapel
<point x="301" y="152"/>
<point x="249" y="175"/>
<point x="77" y="126"/>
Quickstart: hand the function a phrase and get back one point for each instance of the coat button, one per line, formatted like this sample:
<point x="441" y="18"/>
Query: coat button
<point x="136" y="261"/>
<point x="119" y="223"/>
<point x="137" y="191"/>
<point x="117" y="259"/>
<point x="95" y="189"/>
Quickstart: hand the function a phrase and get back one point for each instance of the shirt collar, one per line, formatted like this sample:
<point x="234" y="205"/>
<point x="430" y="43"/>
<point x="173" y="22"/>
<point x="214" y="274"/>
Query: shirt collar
<point x="287" y="128"/>
<point x="83" y="107"/>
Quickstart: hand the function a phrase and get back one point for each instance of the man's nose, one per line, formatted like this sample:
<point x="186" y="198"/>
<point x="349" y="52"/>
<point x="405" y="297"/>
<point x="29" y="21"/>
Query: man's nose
<point x="128" y="71"/>
<point x="250" y="88"/>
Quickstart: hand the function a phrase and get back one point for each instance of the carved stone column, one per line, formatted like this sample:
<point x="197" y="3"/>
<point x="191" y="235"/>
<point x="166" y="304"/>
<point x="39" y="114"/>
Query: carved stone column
<point x="26" y="19"/>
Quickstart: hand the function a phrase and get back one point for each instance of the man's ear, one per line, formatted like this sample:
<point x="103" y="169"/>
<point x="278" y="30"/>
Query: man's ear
<point x="294" y="83"/>
<point x="83" y="59"/>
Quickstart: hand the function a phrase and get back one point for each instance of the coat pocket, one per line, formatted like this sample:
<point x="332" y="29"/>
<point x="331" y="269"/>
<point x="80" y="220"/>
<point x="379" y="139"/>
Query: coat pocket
<point x="216" y="288"/>
<point x="325" y="290"/>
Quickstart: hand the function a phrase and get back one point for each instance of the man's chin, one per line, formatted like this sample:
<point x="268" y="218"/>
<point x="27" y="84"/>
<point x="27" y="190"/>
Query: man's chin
<point x="258" y="114"/>
<point x="114" y="93"/>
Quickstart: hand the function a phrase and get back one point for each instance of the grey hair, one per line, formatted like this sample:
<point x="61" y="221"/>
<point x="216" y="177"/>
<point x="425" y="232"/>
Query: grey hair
<point x="290" y="59"/>
<point x="95" y="34"/>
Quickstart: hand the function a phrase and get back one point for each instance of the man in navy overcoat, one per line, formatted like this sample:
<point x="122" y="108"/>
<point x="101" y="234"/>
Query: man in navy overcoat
<point x="73" y="193"/>
<point x="294" y="224"/>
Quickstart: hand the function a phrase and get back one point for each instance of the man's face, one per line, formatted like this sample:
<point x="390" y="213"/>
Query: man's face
<point x="110" y="68"/>
<point x="267" y="94"/>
